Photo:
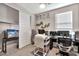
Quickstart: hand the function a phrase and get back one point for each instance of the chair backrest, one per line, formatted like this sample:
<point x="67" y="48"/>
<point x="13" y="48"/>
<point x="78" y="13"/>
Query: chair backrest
<point x="66" y="42"/>
<point x="39" y="40"/>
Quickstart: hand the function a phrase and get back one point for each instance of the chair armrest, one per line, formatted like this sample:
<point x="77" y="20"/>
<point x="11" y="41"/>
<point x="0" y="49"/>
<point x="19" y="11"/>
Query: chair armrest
<point x="69" y="48"/>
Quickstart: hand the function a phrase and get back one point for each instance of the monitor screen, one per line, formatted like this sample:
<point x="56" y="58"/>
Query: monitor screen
<point x="41" y="31"/>
<point x="63" y="33"/>
<point x="53" y="33"/>
<point x="12" y="33"/>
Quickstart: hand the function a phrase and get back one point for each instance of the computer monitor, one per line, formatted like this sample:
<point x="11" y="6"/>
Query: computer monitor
<point x="11" y="33"/>
<point x="63" y="33"/>
<point x="53" y="33"/>
<point x="41" y="31"/>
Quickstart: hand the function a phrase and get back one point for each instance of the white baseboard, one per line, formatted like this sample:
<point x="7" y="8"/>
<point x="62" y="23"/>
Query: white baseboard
<point x="24" y="46"/>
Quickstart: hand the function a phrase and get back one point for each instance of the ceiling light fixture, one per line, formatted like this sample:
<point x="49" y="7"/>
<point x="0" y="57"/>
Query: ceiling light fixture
<point x="42" y="6"/>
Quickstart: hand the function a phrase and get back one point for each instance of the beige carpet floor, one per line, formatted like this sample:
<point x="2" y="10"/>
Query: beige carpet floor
<point x="26" y="51"/>
<point x="13" y="51"/>
<point x="53" y="52"/>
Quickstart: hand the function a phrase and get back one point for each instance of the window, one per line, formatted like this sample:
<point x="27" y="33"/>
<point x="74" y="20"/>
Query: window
<point x="63" y="21"/>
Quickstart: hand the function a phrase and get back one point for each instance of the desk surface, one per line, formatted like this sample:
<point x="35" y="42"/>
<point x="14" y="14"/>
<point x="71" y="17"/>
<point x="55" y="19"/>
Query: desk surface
<point x="60" y="37"/>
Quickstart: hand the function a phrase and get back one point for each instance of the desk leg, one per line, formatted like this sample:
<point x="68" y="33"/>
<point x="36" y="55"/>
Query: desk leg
<point x="78" y="49"/>
<point x="17" y="43"/>
<point x="4" y="46"/>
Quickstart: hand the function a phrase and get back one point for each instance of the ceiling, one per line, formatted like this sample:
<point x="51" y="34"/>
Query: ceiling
<point x="34" y="7"/>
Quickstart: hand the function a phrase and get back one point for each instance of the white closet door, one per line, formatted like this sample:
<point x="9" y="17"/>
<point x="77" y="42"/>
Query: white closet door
<point x="25" y="30"/>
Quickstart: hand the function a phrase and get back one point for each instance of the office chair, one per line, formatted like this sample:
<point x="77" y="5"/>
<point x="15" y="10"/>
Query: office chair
<point x="65" y="46"/>
<point x="41" y="42"/>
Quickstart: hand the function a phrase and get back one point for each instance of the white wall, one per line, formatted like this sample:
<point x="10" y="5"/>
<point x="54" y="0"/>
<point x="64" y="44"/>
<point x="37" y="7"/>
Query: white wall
<point x="33" y="22"/>
<point x="24" y="25"/>
<point x="24" y="29"/>
<point x="9" y="19"/>
<point x="8" y="14"/>
<point x="74" y="8"/>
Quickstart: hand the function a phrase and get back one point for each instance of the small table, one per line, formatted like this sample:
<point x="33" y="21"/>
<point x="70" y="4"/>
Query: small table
<point x="4" y="43"/>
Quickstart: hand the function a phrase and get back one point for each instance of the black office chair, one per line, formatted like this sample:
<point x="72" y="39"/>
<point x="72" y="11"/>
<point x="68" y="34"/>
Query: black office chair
<point x="65" y="46"/>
